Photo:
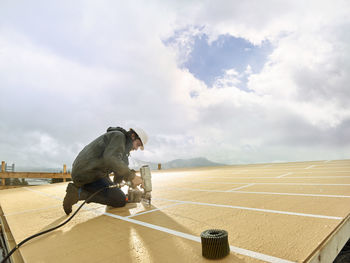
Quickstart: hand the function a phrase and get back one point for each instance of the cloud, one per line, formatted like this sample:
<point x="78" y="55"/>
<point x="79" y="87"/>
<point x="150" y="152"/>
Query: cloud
<point x="74" y="99"/>
<point x="69" y="71"/>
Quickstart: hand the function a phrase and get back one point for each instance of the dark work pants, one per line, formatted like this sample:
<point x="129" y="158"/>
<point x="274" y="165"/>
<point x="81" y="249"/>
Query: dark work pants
<point x="110" y="196"/>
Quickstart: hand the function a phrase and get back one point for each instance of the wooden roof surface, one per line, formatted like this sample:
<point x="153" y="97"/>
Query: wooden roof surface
<point x="282" y="212"/>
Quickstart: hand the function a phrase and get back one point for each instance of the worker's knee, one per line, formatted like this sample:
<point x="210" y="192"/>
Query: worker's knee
<point x="117" y="198"/>
<point x="118" y="203"/>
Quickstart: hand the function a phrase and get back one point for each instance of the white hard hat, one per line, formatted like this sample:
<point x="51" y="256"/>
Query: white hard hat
<point x="142" y="135"/>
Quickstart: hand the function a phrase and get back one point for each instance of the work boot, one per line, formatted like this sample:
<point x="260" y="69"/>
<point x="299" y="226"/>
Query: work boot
<point x="83" y="195"/>
<point x="71" y="198"/>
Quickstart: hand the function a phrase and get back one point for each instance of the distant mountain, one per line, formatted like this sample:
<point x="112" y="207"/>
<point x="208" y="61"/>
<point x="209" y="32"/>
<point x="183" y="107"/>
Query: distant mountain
<point x="194" y="162"/>
<point x="137" y="164"/>
<point x="178" y="163"/>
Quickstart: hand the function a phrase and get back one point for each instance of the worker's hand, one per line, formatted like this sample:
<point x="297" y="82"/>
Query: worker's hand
<point x="137" y="181"/>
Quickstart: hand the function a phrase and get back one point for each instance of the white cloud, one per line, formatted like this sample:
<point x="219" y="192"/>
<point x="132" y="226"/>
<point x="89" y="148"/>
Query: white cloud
<point x="183" y="42"/>
<point x="78" y="69"/>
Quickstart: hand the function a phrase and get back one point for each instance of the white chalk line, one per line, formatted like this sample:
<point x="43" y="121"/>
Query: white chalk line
<point x="269" y="177"/>
<point x="42" y="193"/>
<point x="254" y="209"/>
<point x="241" y="187"/>
<point x="322" y="171"/>
<point x="237" y="250"/>
<point x="311" y="166"/>
<point x="248" y="192"/>
<point x="208" y="182"/>
<point x="301" y="170"/>
<point x="33" y="210"/>
<point x="153" y="210"/>
<point x="283" y="175"/>
<point x="293" y="194"/>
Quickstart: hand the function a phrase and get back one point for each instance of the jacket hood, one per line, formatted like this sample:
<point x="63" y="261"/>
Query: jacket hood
<point x="117" y="129"/>
<point x="128" y="145"/>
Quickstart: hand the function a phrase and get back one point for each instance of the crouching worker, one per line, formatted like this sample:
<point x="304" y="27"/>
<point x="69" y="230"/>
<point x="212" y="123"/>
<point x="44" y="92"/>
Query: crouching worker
<point x="91" y="168"/>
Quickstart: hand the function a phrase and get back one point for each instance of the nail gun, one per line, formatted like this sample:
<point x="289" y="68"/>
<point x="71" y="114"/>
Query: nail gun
<point x="135" y="195"/>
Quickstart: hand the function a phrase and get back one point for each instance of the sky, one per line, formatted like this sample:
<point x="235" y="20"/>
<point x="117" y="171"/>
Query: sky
<point x="236" y="82"/>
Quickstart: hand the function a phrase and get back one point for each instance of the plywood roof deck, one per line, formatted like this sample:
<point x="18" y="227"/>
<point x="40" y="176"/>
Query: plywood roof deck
<point x="282" y="212"/>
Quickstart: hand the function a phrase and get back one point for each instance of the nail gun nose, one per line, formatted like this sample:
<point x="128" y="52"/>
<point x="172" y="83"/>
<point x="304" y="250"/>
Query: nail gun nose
<point x="148" y="197"/>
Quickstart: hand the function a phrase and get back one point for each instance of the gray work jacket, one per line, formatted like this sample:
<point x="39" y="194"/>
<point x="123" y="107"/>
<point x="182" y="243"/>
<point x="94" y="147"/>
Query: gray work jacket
<point x="108" y="153"/>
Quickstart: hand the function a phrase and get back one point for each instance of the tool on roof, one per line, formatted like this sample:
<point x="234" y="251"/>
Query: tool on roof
<point x="147" y="181"/>
<point x="135" y="195"/>
<point x="215" y="243"/>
